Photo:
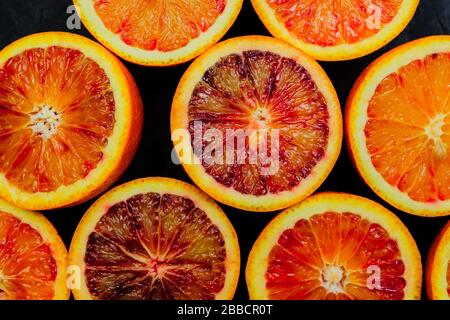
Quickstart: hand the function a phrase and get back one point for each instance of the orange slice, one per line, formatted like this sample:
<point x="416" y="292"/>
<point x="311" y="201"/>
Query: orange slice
<point x="277" y="115"/>
<point x="438" y="267"/>
<point x="33" y="258"/>
<point x="159" y="32"/>
<point x="70" y="120"/>
<point x="333" y="30"/>
<point x="155" y="238"/>
<point x="335" y="246"/>
<point x="398" y="126"/>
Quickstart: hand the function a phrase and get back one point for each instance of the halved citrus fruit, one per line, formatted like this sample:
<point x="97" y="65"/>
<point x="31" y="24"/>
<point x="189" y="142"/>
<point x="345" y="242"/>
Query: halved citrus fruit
<point x="70" y="120"/>
<point x="159" y="32"/>
<point x="438" y="267"/>
<point x="333" y="30"/>
<point x="271" y="117"/>
<point x="335" y="246"/>
<point x="398" y="126"/>
<point x="155" y="238"/>
<point x="33" y="258"/>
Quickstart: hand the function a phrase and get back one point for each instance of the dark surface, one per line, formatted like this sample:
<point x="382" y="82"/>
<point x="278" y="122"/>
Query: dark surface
<point x="157" y="86"/>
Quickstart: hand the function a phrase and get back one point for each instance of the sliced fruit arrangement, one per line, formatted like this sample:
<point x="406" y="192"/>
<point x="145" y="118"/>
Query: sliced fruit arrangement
<point x="335" y="246"/>
<point x="160" y="32"/>
<point x="277" y="116"/>
<point x="438" y="267"/>
<point x="155" y="238"/>
<point x="70" y="120"/>
<point x="33" y="258"/>
<point x="398" y="126"/>
<point x="335" y="30"/>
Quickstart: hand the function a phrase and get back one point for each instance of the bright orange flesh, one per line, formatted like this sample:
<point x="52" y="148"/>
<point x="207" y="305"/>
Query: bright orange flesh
<point x="27" y="267"/>
<point x="158" y="25"/>
<point x="56" y="114"/>
<point x="259" y="90"/>
<point x="155" y="246"/>
<point x="408" y="128"/>
<point x="332" y="256"/>
<point x="333" y="22"/>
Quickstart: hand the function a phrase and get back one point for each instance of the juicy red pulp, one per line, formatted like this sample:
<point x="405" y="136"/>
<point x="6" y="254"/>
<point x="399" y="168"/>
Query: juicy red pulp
<point x="299" y="262"/>
<point x="56" y="114"/>
<point x="333" y="22"/>
<point x="158" y="24"/>
<point x="154" y="246"/>
<point x="261" y="90"/>
<point x="27" y="267"/>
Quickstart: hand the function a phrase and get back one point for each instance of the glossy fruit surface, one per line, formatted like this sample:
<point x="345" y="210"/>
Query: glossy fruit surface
<point x="335" y="30"/>
<point x="335" y="246"/>
<point x="70" y="120"/>
<point x="33" y="258"/>
<point x="159" y="32"/>
<point x="398" y="126"/>
<point x="153" y="239"/>
<point x="276" y="118"/>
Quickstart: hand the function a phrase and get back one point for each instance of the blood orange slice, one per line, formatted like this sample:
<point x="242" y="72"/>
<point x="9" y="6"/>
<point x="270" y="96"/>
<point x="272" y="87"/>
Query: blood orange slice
<point x="33" y="258"/>
<point x="438" y="267"/>
<point x="335" y="246"/>
<point x="271" y="116"/>
<point x="398" y="126"/>
<point x="159" y="32"/>
<point x="155" y="238"/>
<point x="334" y="30"/>
<point x="70" y="120"/>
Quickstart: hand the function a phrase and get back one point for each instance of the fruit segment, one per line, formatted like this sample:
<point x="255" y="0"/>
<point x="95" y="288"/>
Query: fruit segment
<point x="27" y="267"/>
<point x="408" y="128"/>
<point x="335" y="256"/>
<point x="155" y="246"/>
<point x="332" y="22"/>
<point x="159" y="25"/>
<point x="56" y="114"/>
<point x="247" y="93"/>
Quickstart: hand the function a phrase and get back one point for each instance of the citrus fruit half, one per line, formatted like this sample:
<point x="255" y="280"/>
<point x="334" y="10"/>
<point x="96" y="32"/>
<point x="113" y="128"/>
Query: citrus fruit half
<point x="438" y="267"/>
<point x="335" y="246"/>
<point x="398" y="126"/>
<point x="155" y="238"/>
<point x="33" y="258"/>
<point x="159" y="32"/>
<point x="270" y="116"/>
<point x="333" y="30"/>
<point x="70" y="120"/>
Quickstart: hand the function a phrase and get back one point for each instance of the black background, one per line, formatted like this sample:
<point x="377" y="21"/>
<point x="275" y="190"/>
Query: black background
<point x="157" y="86"/>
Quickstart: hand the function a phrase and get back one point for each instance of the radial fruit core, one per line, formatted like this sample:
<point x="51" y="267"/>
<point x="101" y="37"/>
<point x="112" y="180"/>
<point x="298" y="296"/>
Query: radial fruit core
<point x="408" y="128"/>
<point x="335" y="256"/>
<point x="56" y="114"/>
<point x="254" y="91"/>
<point x="155" y="246"/>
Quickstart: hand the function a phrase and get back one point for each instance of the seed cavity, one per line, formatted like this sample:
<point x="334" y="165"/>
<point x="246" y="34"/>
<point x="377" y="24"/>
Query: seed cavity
<point x="262" y="117"/>
<point x="434" y="131"/>
<point x="333" y="278"/>
<point x="45" y="122"/>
